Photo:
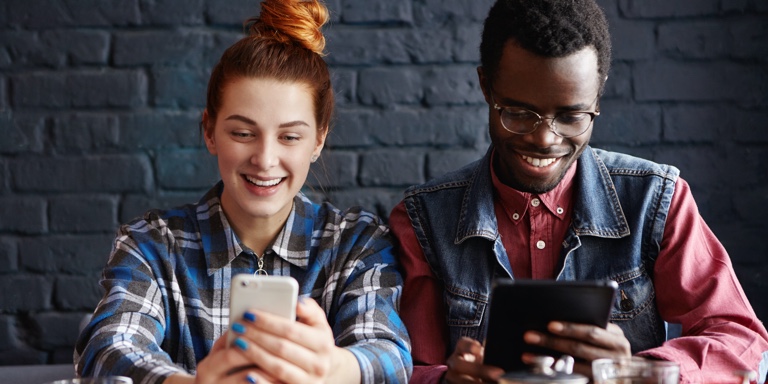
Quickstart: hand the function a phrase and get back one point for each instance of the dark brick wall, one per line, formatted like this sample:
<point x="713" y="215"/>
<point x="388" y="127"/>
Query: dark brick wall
<point x="99" y="104"/>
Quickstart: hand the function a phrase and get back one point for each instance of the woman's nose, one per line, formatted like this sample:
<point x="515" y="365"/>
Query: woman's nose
<point x="265" y="155"/>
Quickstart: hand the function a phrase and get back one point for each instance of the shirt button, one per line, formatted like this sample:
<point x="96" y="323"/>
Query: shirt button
<point x="515" y="216"/>
<point x="559" y="211"/>
<point x="535" y="202"/>
<point x="540" y="244"/>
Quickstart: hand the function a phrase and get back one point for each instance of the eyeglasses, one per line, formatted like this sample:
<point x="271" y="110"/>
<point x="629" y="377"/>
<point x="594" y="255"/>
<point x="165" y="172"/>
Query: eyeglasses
<point x="523" y="121"/>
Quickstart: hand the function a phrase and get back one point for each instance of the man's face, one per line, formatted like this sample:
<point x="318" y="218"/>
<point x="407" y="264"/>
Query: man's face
<point x="537" y="161"/>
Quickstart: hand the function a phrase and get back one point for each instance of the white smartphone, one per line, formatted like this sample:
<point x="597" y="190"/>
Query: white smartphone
<point x="273" y="294"/>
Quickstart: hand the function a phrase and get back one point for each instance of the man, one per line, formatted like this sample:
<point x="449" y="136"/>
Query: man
<point x="543" y="204"/>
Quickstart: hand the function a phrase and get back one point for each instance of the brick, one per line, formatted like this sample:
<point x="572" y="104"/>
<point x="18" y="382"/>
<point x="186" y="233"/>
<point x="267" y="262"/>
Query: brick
<point x="24" y="215"/>
<point x="344" y="86"/>
<point x="159" y="47"/>
<point x="67" y="13"/>
<point x="102" y="173"/>
<point x="467" y="43"/>
<point x="51" y="330"/>
<point x="160" y="130"/>
<point x="379" y="201"/>
<point x="112" y="88"/>
<point x="702" y="166"/>
<point x="452" y="85"/>
<point x="442" y="162"/>
<point x="62" y="355"/>
<point x="172" y="12"/>
<point x="8" y="337"/>
<point x="188" y="169"/>
<point x="83" y="213"/>
<point x="750" y="205"/>
<point x="220" y="42"/>
<point x="334" y="169"/>
<point x="84" y="131"/>
<point x="694" y="40"/>
<point x="440" y="12"/>
<point x="391" y="168"/>
<point x="75" y="292"/>
<point x="135" y="205"/>
<point x="392" y="11"/>
<point x="23" y="49"/>
<point x="673" y="81"/>
<point x="750" y="38"/>
<point x="5" y="175"/>
<point x="3" y="88"/>
<point x="233" y="12"/>
<point x="750" y="126"/>
<point x="179" y="88"/>
<point x="78" y="46"/>
<point x="350" y="46"/>
<point x="664" y="8"/>
<point x="621" y="122"/>
<point x="21" y="133"/>
<point x="9" y="256"/>
<point x="456" y="126"/>
<point x="632" y="40"/>
<point x="686" y="123"/>
<point x="619" y="83"/>
<point x="744" y="168"/>
<point x="77" y="255"/>
<point x="23" y="356"/>
<point x="25" y="293"/>
<point x="734" y="5"/>
<point x="387" y="86"/>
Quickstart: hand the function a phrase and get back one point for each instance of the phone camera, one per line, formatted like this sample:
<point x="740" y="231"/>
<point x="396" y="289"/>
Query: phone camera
<point x="243" y="283"/>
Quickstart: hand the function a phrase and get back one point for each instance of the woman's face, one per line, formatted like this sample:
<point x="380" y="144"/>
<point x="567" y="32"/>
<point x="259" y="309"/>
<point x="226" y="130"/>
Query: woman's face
<point x="265" y="136"/>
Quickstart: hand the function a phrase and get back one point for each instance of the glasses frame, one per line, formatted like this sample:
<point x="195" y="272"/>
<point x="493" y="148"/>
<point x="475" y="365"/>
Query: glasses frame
<point x="552" y="125"/>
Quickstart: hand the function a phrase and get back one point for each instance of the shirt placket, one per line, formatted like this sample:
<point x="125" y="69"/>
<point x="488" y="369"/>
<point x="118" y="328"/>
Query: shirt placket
<point x="540" y="240"/>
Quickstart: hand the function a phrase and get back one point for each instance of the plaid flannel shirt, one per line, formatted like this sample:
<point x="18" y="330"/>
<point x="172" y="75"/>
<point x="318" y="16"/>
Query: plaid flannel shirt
<point x="167" y="289"/>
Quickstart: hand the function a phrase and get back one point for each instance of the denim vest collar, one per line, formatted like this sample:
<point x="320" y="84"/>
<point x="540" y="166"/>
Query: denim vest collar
<point x="600" y="214"/>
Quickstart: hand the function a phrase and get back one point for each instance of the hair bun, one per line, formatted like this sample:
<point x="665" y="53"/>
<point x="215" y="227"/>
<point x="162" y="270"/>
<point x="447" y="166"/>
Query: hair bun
<point x="292" y="21"/>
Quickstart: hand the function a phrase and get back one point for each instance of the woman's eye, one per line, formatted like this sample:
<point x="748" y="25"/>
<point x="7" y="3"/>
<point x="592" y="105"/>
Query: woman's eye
<point x="241" y="135"/>
<point x="291" y="138"/>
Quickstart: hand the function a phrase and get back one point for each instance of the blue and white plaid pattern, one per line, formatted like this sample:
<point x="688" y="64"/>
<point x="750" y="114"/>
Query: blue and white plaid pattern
<point x="167" y="289"/>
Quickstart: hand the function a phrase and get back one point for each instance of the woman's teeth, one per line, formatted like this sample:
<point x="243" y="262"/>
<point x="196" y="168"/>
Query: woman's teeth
<point x="539" y="162"/>
<point x="260" y="183"/>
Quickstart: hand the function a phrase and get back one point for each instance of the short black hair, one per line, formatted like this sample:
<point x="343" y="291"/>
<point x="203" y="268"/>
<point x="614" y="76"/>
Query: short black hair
<point x="548" y="28"/>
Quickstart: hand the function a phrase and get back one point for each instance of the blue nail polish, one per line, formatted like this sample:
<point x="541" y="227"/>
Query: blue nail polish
<point x="250" y="316"/>
<point x="238" y="328"/>
<point x="240" y="343"/>
<point x="251" y="378"/>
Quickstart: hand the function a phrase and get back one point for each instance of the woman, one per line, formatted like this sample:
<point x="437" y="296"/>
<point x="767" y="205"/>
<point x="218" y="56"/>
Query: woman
<point x="164" y="316"/>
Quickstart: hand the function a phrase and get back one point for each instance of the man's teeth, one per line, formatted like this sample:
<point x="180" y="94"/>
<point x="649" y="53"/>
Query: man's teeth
<point x="538" y="162"/>
<point x="261" y="183"/>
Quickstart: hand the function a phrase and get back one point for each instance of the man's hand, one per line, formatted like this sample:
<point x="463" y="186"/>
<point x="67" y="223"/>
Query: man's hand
<point x="583" y="342"/>
<point x="465" y="365"/>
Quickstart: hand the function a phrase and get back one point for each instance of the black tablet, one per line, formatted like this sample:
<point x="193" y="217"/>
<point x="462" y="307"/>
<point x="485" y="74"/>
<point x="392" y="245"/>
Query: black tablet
<point x="521" y="305"/>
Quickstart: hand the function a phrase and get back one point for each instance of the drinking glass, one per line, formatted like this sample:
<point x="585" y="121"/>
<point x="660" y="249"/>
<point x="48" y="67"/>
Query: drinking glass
<point x="95" y="380"/>
<point x="635" y="370"/>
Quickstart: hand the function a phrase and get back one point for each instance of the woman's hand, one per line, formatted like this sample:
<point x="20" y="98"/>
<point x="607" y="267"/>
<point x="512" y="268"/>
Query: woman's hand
<point x="583" y="342"/>
<point x="465" y="365"/>
<point x="303" y="351"/>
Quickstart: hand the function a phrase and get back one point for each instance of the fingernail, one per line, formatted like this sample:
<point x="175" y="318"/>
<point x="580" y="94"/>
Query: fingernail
<point x="251" y="378"/>
<point x="556" y="326"/>
<point x="240" y="343"/>
<point x="238" y="328"/>
<point x="532" y="337"/>
<point x="250" y="316"/>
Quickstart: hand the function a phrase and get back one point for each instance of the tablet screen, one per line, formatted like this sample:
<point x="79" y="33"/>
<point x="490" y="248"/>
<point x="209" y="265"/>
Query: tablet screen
<point x="521" y="305"/>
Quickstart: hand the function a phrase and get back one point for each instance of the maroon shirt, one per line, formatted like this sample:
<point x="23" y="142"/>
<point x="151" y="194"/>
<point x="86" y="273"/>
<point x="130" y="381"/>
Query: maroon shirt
<point x="695" y="283"/>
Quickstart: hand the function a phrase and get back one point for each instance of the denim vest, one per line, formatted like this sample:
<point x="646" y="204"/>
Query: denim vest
<point x="620" y="205"/>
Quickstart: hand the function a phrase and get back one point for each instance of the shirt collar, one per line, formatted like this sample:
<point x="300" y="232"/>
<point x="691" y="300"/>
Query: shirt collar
<point x="221" y="244"/>
<point x="557" y="201"/>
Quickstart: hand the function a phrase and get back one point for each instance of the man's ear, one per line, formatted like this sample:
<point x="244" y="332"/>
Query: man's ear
<point x="484" y="84"/>
<point x="208" y="128"/>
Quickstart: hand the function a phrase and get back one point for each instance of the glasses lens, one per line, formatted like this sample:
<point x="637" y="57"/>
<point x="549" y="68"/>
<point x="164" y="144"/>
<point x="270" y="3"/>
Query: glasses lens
<point x="572" y="123"/>
<point x="523" y="121"/>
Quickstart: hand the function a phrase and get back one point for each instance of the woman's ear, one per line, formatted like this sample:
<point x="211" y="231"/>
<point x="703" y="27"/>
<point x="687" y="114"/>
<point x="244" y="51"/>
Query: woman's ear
<point x="208" y="129"/>
<point x="321" y="135"/>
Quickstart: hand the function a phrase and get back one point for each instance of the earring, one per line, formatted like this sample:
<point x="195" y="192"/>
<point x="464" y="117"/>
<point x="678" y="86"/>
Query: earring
<point x="313" y="159"/>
